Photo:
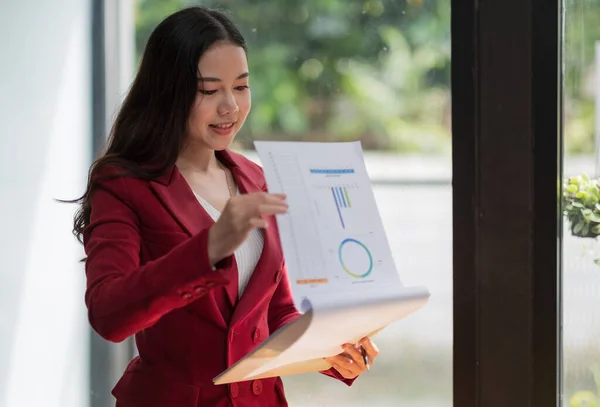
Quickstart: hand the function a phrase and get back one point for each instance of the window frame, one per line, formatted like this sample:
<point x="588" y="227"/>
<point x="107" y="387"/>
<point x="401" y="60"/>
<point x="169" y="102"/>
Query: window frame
<point x="507" y="166"/>
<point x="112" y="59"/>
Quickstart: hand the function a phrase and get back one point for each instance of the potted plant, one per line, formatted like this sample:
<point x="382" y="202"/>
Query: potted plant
<point x="588" y="398"/>
<point x="583" y="399"/>
<point x="581" y="205"/>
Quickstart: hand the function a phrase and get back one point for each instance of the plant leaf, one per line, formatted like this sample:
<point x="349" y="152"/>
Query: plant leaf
<point x="586" y="229"/>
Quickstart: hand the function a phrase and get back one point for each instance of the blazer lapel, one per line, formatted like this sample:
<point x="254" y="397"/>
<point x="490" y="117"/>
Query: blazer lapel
<point x="266" y="269"/>
<point x="176" y="195"/>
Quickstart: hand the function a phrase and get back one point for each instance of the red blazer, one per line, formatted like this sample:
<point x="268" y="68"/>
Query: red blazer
<point x="148" y="275"/>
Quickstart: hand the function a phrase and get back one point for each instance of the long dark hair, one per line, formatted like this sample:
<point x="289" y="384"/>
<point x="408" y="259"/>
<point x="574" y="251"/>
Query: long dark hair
<point x="149" y="130"/>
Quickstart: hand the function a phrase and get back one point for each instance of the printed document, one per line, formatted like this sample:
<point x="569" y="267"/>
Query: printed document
<point x="341" y="270"/>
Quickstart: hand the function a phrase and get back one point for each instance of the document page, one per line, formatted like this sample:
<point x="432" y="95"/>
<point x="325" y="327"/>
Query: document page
<point x="342" y="274"/>
<point x="333" y="240"/>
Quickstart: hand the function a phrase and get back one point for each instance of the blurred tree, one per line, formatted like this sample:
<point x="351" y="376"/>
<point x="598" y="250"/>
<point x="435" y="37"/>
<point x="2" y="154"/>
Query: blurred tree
<point x="581" y="36"/>
<point x="374" y="70"/>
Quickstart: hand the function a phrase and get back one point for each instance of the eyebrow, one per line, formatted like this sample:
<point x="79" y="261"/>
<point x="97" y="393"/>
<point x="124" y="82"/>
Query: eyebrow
<point x="211" y="79"/>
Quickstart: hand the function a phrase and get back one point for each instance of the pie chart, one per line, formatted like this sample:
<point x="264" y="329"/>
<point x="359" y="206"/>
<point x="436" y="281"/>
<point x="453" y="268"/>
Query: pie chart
<point x="355" y="258"/>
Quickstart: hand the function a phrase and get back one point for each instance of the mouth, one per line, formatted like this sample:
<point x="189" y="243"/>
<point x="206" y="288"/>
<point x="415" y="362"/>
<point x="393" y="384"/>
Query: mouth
<point x="222" y="126"/>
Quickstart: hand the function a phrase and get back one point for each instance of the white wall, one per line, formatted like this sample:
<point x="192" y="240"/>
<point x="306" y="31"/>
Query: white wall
<point x="45" y="149"/>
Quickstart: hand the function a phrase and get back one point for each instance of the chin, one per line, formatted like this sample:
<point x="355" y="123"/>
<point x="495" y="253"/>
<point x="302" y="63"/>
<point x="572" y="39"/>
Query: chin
<point x="220" y="143"/>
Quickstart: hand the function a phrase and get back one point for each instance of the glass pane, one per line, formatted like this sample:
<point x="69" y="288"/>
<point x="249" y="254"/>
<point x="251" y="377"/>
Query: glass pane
<point x="376" y="71"/>
<point x="581" y="220"/>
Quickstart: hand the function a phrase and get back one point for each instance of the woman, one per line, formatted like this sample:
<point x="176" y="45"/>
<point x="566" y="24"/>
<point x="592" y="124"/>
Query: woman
<point x="180" y="236"/>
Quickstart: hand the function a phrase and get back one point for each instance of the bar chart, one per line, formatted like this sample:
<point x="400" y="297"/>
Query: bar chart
<point x="341" y="199"/>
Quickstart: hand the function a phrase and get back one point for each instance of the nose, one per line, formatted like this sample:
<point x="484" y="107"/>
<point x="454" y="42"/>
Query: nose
<point x="228" y="105"/>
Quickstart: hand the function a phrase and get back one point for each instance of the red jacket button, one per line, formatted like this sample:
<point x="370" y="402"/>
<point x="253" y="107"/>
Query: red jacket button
<point x="199" y="290"/>
<point x="187" y="296"/>
<point x="256" y="336"/>
<point x="234" y="389"/>
<point x="257" y="387"/>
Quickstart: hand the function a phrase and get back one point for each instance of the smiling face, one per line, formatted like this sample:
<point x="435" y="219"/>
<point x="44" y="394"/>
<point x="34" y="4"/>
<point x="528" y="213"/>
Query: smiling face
<point x="223" y="98"/>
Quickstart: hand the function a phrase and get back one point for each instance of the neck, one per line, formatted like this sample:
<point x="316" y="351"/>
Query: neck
<point x="197" y="159"/>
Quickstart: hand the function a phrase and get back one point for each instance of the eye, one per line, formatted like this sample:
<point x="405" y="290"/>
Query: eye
<point x="207" y="92"/>
<point x="242" y="88"/>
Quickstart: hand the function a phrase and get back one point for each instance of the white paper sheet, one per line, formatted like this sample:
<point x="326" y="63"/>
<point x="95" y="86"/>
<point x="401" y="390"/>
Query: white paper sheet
<point x="340" y="266"/>
<point x="333" y="238"/>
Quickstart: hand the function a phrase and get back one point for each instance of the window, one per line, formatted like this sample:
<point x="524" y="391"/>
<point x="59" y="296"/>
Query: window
<point x="581" y="250"/>
<point x="376" y="71"/>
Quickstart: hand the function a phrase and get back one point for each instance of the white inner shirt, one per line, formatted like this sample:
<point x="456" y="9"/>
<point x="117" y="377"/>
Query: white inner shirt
<point x="249" y="252"/>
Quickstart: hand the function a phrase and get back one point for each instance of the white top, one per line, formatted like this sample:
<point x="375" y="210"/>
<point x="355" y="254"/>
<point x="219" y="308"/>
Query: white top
<point x="247" y="255"/>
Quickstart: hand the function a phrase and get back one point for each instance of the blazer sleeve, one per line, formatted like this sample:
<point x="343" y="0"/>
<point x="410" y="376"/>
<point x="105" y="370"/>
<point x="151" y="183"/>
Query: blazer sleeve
<point x="123" y="297"/>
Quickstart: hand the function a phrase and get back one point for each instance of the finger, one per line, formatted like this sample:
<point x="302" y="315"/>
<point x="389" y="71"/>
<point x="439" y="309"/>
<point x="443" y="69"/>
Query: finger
<point x="266" y="196"/>
<point x="274" y="199"/>
<point x="281" y="197"/>
<point x="258" y="223"/>
<point x="270" y="209"/>
<point x="348" y="374"/>
<point x="355" y="354"/>
<point x="343" y="365"/>
<point x="347" y="362"/>
<point x="260" y="197"/>
<point x="343" y="359"/>
<point x="371" y="349"/>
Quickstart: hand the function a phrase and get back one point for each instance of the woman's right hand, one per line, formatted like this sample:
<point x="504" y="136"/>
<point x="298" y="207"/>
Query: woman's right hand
<point x="241" y="215"/>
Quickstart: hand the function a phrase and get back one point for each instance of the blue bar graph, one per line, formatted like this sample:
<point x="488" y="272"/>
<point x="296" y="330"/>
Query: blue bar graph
<point x="342" y="200"/>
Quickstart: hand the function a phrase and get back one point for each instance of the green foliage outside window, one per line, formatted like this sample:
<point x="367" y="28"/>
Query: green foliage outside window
<point x="376" y="71"/>
<point x="582" y="35"/>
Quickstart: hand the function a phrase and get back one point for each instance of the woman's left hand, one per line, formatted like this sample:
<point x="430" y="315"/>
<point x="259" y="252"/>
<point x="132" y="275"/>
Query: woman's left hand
<point x="350" y="363"/>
